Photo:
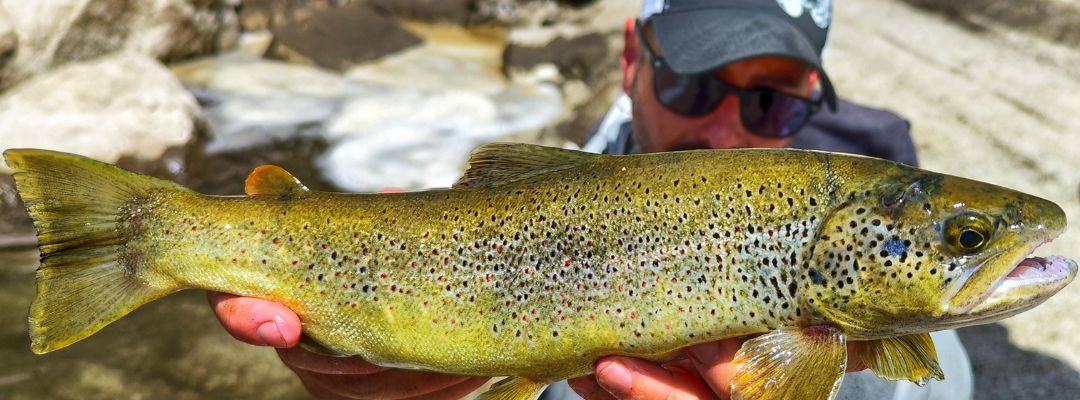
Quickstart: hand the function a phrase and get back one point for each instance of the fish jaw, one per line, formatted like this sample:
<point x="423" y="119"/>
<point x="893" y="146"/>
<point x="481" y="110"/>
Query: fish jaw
<point x="1012" y="280"/>
<point x="1030" y="282"/>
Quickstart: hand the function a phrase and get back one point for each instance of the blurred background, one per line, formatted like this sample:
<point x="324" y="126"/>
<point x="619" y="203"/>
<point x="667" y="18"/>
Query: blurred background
<point x="363" y="95"/>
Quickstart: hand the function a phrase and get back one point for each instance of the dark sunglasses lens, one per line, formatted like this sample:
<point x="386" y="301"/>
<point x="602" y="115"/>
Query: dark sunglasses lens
<point x="773" y="114"/>
<point x="689" y="95"/>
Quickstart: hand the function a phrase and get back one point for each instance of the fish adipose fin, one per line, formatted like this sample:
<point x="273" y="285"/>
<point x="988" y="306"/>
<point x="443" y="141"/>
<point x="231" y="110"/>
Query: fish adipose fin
<point x="272" y="180"/>
<point x="513" y="388"/>
<point x="805" y="363"/>
<point x="85" y="212"/>
<point x="497" y="164"/>
<point x="910" y="357"/>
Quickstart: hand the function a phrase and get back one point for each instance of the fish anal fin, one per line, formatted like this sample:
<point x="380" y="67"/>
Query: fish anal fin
<point x="272" y="180"/>
<point x="910" y="357"/>
<point x="513" y="388"/>
<point x="497" y="164"/>
<point x="796" y="363"/>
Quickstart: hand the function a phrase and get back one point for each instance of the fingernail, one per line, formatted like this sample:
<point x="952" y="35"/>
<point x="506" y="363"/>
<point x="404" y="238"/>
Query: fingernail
<point x="614" y="377"/>
<point x="270" y="333"/>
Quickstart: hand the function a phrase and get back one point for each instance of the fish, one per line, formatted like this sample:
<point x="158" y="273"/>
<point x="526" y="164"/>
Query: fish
<point x="539" y="261"/>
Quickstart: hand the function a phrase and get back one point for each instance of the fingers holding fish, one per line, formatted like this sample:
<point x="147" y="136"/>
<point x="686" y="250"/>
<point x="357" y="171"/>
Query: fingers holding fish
<point x="297" y="358"/>
<point x="390" y="384"/>
<point x="255" y="321"/>
<point x="588" y="389"/>
<point x="713" y="361"/>
<point x="626" y="377"/>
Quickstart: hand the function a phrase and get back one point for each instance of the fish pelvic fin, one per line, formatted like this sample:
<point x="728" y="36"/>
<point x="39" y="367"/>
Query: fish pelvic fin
<point x="513" y="388"/>
<point x="85" y="212"/>
<point x="497" y="164"/>
<point x="910" y="357"/>
<point x="795" y="363"/>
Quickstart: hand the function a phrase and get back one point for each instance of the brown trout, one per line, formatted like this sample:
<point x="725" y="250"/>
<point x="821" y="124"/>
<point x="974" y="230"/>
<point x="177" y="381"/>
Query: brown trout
<point x="539" y="261"/>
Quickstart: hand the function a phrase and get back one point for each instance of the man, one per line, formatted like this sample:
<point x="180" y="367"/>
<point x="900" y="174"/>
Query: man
<point x="697" y="74"/>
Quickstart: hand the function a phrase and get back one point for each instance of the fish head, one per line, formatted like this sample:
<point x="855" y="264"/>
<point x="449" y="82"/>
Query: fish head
<point x="919" y="252"/>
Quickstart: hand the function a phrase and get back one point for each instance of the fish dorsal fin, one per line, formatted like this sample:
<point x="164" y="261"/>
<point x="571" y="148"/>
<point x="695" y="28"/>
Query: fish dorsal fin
<point x="910" y="357"/>
<point x="272" y="180"/>
<point x="794" y="363"/>
<point x="497" y="164"/>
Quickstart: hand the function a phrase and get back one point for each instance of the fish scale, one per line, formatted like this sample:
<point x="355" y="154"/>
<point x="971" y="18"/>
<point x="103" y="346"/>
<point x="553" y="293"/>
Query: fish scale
<point x="540" y="261"/>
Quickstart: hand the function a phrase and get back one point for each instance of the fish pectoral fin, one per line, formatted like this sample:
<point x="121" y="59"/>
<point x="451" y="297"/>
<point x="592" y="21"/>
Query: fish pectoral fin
<point x="796" y="363"/>
<point x="513" y="388"/>
<point x="496" y="164"/>
<point x="910" y="357"/>
<point x="272" y="180"/>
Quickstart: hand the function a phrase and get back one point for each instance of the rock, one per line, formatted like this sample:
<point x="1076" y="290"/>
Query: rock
<point x="9" y="40"/>
<point x="452" y="11"/>
<point x="341" y="37"/>
<point x="273" y="14"/>
<point x="16" y="229"/>
<point x="145" y="121"/>
<point x="122" y="105"/>
<point x="585" y="57"/>
<point x="54" y="32"/>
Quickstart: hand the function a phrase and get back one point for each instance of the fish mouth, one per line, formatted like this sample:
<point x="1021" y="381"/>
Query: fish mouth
<point x="1028" y="282"/>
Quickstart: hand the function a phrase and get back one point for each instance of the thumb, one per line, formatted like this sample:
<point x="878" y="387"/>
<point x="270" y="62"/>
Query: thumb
<point x="255" y="321"/>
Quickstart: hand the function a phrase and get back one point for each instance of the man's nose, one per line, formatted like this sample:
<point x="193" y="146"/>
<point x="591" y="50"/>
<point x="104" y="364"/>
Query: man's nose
<point x="723" y="128"/>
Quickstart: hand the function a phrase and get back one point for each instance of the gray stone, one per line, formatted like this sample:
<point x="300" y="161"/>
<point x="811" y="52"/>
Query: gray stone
<point x="122" y="105"/>
<point x="585" y="57"/>
<point x="54" y="32"/>
<point x="9" y="40"/>
<point x="452" y="11"/>
<point x="342" y="37"/>
<point x="273" y="14"/>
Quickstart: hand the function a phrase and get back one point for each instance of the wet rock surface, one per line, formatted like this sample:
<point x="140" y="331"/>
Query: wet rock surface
<point x="339" y="38"/>
<point x="54" y="32"/>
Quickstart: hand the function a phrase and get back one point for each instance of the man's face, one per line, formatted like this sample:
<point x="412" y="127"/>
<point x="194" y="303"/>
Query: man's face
<point x="655" y="128"/>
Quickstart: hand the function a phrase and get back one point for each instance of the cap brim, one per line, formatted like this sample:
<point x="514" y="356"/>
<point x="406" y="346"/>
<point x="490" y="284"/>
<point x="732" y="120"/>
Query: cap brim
<point x="701" y="40"/>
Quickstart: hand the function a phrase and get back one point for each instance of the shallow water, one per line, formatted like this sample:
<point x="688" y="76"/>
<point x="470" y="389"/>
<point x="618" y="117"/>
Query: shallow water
<point x="172" y="348"/>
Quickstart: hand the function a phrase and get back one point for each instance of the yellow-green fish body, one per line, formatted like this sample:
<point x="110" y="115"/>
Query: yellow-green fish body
<point x="540" y="261"/>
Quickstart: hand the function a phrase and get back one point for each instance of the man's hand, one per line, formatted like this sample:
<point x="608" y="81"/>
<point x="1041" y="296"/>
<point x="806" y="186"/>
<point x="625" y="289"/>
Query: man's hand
<point x="266" y="323"/>
<point x="704" y="373"/>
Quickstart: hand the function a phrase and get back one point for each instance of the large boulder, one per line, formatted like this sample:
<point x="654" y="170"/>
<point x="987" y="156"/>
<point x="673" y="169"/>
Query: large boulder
<point x="342" y="37"/>
<point x="125" y="109"/>
<point x="54" y="32"/>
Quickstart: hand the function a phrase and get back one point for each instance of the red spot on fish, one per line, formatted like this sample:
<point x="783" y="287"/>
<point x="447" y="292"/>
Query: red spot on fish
<point x="441" y="278"/>
<point x="382" y="275"/>
<point x="644" y="284"/>
<point x="295" y="262"/>
<point x="633" y="315"/>
<point x="567" y="263"/>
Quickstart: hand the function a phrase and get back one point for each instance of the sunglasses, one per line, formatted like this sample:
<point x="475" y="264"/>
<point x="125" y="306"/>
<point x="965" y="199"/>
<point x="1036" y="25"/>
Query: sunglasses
<point x="764" y="111"/>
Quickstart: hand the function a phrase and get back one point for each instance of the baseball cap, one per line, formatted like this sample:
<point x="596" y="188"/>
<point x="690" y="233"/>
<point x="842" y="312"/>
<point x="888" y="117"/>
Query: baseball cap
<point x="699" y="35"/>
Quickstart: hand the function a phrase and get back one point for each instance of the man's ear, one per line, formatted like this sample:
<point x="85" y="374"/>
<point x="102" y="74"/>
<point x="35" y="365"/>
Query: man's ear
<point x="630" y="55"/>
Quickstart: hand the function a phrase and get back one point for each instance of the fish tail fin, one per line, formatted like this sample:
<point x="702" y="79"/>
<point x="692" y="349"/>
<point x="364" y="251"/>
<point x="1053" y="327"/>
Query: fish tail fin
<point x="85" y="213"/>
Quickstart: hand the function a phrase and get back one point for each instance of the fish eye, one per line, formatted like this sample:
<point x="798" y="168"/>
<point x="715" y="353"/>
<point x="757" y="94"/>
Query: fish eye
<point x="970" y="239"/>
<point x="967" y="233"/>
